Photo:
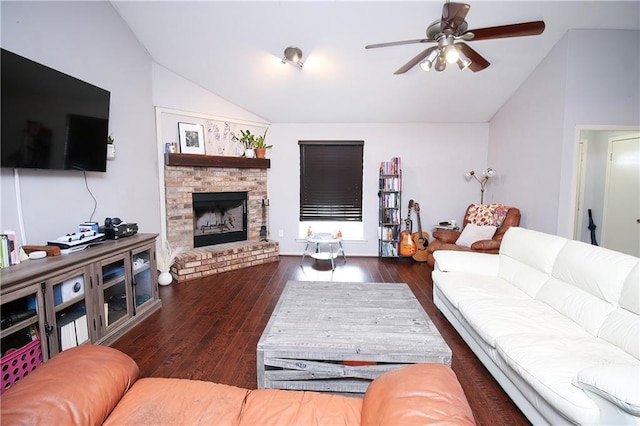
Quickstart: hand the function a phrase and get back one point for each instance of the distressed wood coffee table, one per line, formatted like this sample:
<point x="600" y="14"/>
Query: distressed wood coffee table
<point x="338" y="337"/>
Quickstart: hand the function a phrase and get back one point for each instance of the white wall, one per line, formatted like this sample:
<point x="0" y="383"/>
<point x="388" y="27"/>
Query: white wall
<point x="173" y="91"/>
<point x="87" y="40"/>
<point x="525" y="142"/>
<point x="589" y="78"/>
<point x="435" y="158"/>
<point x="605" y="91"/>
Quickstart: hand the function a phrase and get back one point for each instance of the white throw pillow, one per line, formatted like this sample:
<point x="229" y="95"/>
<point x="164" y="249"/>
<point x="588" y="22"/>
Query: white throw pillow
<point x="472" y="233"/>
<point x="613" y="382"/>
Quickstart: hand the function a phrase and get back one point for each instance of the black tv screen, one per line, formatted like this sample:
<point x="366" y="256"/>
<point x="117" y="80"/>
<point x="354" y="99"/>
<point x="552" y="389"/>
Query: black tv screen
<point x="51" y="120"/>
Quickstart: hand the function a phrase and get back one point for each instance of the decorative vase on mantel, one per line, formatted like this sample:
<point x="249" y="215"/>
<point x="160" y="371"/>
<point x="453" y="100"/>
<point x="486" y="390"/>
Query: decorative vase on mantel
<point x="249" y="153"/>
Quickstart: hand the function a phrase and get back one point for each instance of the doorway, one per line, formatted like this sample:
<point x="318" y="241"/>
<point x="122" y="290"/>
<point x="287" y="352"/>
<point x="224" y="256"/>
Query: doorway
<point x="621" y="216"/>
<point x="594" y="171"/>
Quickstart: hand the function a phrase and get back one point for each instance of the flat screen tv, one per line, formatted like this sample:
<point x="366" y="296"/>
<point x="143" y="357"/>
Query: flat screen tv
<point x="51" y="120"/>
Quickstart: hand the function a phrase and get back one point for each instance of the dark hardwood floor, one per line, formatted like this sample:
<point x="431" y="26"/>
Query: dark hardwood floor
<point x="208" y="329"/>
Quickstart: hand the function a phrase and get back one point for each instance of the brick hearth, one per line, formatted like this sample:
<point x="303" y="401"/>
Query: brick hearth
<point x="204" y="261"/>
<point x="225" y="174"/>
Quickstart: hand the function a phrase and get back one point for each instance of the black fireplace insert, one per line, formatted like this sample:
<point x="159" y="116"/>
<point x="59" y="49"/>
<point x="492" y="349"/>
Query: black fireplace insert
<point x="219" y="217"/>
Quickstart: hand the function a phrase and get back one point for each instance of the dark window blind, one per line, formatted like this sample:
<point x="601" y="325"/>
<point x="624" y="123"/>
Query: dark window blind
<point x="331" y="180"/>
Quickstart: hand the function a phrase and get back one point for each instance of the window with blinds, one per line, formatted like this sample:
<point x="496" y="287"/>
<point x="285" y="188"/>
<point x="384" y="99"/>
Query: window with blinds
<point x="331" y="180"/>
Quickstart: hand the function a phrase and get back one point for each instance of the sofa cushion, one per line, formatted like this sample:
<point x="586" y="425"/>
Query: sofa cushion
<point x="596" y="270"/>
<point x="493" y="318"/>
<point x="525" y="277"/>
<point x="611" y="382"/>
<point x="49" y="395"/>
<point x="630" y="294"/>
<point x="580" y="306"/>
<point x="622" y="327"/>
<point x="587" y="283"/>
<point x="280" y="407"/>
<point x="465" y="261"/>
<point x="532" y="248"/>
<point x="169" y="401"/>
<point x="432" y="387"/>
<point x="459" y="286"/>
<point x="472" y="233"/>
<point x="549" y="364"/>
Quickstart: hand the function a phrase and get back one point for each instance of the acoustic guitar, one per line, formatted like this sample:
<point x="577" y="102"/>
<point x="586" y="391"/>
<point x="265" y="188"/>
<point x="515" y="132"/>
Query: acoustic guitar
<point x="420" y="238"/>
<point x="406" y="246"/>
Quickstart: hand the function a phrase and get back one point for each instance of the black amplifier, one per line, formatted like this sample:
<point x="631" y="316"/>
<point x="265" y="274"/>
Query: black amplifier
<point x="121" y="230"/>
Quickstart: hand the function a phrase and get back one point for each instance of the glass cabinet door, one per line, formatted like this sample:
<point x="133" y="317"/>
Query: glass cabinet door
<point x="115" y="294"/>
<point x="144" y="279"/>
<point x="70" y="325"/>
<point x="22" y="323"/>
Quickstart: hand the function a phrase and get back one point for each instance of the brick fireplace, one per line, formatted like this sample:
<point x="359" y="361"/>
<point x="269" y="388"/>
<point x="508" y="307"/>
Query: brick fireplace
<point x="186" y="174"/>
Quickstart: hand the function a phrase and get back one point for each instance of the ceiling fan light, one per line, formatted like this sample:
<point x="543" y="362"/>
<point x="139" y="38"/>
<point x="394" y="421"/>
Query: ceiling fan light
<point x="441" y="64"/>
<point x="451" y="53"/>
<point x="463" y="63"/>
<point x="427" y="64"/>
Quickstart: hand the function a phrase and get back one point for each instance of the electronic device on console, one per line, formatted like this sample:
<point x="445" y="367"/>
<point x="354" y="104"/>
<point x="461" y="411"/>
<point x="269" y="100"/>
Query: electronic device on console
<point x="115" y="228"/>
<point x="77" y="239"/>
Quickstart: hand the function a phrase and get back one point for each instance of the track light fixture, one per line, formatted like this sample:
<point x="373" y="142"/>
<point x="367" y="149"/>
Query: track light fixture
<point x="486" y="175"/>
<point x="293" y="55"/>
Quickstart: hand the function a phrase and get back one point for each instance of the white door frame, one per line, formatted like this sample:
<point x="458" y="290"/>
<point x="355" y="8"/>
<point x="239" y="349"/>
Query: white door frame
<point x="583" y="147"/>
<point x="605" y="207"/>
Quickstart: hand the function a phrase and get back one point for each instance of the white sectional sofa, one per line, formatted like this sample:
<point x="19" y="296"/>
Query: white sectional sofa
<point x="555" y="321"/>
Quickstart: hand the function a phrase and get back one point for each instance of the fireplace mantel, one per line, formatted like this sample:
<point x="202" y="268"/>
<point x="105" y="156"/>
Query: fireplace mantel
<point x="198" y="160"/>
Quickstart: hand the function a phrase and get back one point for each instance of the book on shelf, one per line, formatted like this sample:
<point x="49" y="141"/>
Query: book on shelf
<point x="389" y="249"/>
<point x="73" y="330"/>
<point x="82" y="329"/>
<point x="390" y="167"/>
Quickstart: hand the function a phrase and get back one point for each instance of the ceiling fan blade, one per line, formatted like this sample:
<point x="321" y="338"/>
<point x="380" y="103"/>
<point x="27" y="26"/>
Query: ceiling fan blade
<point x="505" y="31"/>
<point x="453" y="15"/>
<point x="478" y="63"/>
<point x="415" y="61"/>
<point x="398" y="43"/>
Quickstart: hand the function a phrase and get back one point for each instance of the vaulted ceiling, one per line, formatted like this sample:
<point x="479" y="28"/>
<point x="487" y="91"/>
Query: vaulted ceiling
<point x="234" y="49"/>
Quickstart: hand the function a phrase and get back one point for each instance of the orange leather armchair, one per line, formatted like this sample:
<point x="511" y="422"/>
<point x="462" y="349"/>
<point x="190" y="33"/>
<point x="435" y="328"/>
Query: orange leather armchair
<point x="446" y="240"/>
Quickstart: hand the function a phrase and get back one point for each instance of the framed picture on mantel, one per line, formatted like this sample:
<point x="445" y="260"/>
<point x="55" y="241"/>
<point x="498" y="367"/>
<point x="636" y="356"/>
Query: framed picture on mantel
<point x="191" y="138"/>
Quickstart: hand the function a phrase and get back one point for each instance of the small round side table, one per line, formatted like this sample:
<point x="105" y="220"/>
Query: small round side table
<point x="335" y="248"/>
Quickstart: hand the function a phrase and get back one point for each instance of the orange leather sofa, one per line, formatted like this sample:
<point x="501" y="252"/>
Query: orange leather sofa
<point x="446" y="239"/>
<point x="92" y="385"/>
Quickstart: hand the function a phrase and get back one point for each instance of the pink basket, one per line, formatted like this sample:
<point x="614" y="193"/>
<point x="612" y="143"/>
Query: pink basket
<point x="18" y="364"/>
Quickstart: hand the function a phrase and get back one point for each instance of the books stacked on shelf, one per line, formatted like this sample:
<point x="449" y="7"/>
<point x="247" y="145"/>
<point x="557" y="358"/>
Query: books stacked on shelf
<point x="391" y="184"/>
<point x="390" y="167"/>
<point x="391" y="215"/>
<point x="390" y="199"/>
<point x="8" y="249"/>
<point x="389" y="249"/>
<point x="73" y="329"/>
<point x="389" y="233"/>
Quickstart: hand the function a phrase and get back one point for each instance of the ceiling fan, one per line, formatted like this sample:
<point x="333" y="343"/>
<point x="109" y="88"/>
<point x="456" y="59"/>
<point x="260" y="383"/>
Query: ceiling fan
<point x="450" y="34"/>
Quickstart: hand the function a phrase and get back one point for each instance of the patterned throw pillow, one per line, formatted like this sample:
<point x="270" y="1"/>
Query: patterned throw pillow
<point x="488" y="214"/>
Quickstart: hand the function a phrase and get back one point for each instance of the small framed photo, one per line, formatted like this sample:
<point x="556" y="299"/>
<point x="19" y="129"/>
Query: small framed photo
<point x="191" y="138"/>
